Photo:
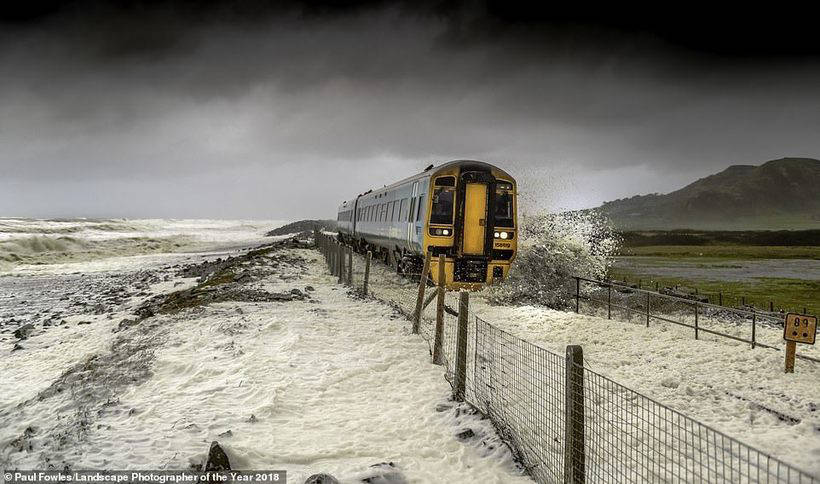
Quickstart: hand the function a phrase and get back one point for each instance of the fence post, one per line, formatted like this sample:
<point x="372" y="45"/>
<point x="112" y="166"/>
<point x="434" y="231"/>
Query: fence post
<point x="437" y="344"/>
<point x="420" y="298"/>
<point x="574" y="455"/>
<point x="771" y="306"/>
<point x="754" y="324"/>
<point x="577" y="294"/>
<point x="720" y="296"/>
<point x="331" y="258"/>
<point x="341" y="255"/>
<point x="461" y="351"/>
<point x="350" y="266"/>
<point x="609" y="301"/>
<point x="696" y="320"/>
<point x="647" y="309"/>
<point x="367" y="272"/>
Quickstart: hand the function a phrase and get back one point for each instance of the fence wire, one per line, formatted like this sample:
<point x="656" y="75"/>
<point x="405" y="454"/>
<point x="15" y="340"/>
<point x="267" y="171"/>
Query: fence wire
<point x="613" y="300"/>
<point x="529" y="396"/>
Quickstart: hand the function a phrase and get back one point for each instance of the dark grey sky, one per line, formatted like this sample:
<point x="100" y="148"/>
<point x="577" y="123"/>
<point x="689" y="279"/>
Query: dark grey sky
<point x="243" y="111"/>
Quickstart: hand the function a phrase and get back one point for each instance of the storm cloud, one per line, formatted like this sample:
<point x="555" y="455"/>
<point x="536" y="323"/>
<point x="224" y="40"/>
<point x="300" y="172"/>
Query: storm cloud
<point x="249" y="111"/>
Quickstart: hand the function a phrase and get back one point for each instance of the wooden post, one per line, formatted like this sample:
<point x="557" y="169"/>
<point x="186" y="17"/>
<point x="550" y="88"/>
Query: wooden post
<point x="647" y="309"/>
<point x="743" y="301"/>
<point x="341" y="256"/>
<point x="720" y="298"/>
<point x="791" y="347"/>
<point x="332" y="259"/>
<point x="367" y="272"/>
<point x="609" y="301"/>
<point x="350" y="266"/>
<point x="771" y="306"/>
<point x="438" y="356"/>
<point x="754" y="325"/>
<point x="574" y="455"/>
<point x="577" y="294"/>
<point x="461" y="350"/>
<point x="696" y="320"/>
<point x="420" y="298"/>
<point x="656" y="286"/>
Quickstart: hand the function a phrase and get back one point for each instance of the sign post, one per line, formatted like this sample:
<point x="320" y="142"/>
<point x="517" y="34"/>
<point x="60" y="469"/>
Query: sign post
<point x="799" y="328"/>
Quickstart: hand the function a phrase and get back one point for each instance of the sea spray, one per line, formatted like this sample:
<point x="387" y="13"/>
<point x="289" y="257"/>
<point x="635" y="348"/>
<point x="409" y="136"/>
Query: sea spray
<point x="552" y="249"/>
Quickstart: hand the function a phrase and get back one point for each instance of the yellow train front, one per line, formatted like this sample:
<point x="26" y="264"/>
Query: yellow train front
<point x="466" y="210"/>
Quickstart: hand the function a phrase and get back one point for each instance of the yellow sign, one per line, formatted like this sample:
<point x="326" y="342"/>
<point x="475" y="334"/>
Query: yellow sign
<point x="800" y="328"/>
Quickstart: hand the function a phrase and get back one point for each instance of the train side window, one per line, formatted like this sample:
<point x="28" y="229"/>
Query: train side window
<point x="418" y="207"/>
<point x="393" y="210"/>
<point x="400" y="212"/>
<point x="412" y="209"/>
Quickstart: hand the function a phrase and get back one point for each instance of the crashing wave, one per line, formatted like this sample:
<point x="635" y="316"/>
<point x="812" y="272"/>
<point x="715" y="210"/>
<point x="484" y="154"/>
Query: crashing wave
<point x="42" y="249"/>
<point x="552" y="250"/>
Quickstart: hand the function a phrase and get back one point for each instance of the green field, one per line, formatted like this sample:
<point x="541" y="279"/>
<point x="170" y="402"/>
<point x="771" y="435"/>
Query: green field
<point x="726" y="251"/>
<point x="710" y="269"/>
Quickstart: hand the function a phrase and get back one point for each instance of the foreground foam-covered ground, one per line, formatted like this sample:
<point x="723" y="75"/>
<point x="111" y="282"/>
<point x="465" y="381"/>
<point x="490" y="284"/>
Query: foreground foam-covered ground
<point x="325" y="382"/>
<point x="720" y="382"/>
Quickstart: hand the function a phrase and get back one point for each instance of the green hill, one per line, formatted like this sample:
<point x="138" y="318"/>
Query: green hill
<point x="781" y="194"/>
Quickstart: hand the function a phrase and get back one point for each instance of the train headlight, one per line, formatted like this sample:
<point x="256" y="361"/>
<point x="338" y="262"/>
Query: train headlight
<point x="445" y="232"/>
<point x="497" y="235"/>
<point x="438" y="231"/>
<point x="504" y="235"/>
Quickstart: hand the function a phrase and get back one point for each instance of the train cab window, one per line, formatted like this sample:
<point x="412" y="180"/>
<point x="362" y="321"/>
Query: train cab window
<point x="503" y="205"/>
<point x="443" y="198"/>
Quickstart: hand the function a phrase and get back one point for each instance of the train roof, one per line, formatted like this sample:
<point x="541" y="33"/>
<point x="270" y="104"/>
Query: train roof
<point x="429" y="172"/>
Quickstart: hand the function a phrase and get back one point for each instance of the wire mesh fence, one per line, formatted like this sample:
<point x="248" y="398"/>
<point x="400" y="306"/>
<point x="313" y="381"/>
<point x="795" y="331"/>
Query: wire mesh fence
<point x="563" y="421"/>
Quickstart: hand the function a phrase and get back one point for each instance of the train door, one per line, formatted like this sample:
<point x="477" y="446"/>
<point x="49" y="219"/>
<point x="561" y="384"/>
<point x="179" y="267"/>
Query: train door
<point x="411" y="216"/>
<point x="475" y="218"/>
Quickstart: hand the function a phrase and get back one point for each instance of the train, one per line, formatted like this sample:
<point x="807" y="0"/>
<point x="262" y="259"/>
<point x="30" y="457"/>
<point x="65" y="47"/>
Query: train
<point x="463" y="209"/>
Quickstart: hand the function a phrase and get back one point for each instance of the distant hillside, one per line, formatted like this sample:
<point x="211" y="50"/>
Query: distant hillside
<point x="780" y="194"/>
<point x="303" y="226"/>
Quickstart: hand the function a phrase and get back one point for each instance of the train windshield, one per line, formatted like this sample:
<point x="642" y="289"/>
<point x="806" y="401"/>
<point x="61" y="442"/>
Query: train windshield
<point x="442" y="206"/>
<point x="503" y="209"/>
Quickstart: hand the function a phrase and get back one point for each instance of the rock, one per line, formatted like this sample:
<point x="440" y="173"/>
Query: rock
<point x="296" y="292"/>
<point x="465" y="434"/>
<point x="670" y="382"/>
<point x="252" y="419"/>
<point x="443" y="407"/>
<point x="126" y="323"/>
<point x="83" y="322"/>
<point x="309" y="289"/>
<point x="321" y="479"/>
<point x="217" y="459"/>
<point x="17" y="347"/>
<point x="227" y="433"/>
<point x="24" y="331"/>
<point x="23" y="442"/>
<point x="384" y="473"/>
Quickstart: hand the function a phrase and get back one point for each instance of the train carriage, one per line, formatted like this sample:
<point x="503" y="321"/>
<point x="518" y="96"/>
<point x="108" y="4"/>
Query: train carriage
<point x="463" y="209"/>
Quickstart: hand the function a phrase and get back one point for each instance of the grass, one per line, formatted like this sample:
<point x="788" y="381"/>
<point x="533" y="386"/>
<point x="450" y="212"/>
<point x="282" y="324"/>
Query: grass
<point x="789" y="294"/>
<point x="725" y="251"/>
